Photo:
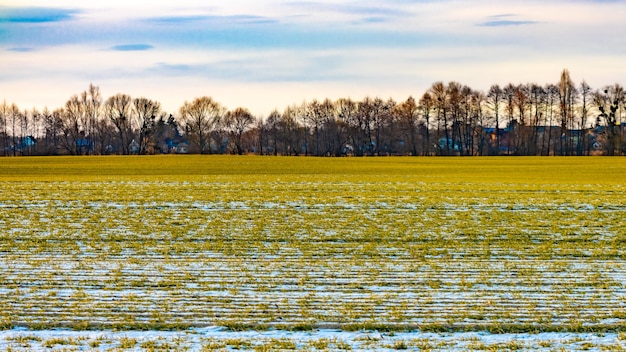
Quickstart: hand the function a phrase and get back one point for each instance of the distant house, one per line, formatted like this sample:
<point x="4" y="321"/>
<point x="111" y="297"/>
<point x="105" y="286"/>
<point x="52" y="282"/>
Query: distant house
<point x="133" y="147"/>
<point x="181" y="148"/>
<point x="25" y="145"/>
<point x="445" y="143"/>
<point x="84" y="145"/>
<point x="174" y="146"/>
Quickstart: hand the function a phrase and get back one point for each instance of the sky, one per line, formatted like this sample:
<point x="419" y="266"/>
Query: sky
<point x="269" y="54"/>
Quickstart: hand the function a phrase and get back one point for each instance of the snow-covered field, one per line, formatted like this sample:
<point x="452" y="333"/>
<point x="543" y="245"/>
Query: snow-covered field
<point x="209" y="339"/>
<point x="302" y="261"/>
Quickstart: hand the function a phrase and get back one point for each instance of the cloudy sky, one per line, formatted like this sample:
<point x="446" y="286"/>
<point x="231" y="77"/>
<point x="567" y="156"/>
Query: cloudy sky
<point x="267" y="54"/>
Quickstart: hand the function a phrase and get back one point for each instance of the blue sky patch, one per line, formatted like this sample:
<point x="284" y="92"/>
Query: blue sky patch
<point x="132" y="47"/>
<point x="35" y="14"/>
<point x="21" y="49"/>
<point x="233" y="19"/>
<point x="501" y="23"/>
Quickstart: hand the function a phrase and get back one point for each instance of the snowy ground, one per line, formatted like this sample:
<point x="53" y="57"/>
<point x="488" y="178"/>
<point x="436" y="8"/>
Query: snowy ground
<point x="219" y="339"/>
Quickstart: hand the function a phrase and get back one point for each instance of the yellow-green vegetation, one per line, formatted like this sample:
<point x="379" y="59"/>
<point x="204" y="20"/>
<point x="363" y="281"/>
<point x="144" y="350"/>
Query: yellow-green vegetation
<point x="251" y="243"/>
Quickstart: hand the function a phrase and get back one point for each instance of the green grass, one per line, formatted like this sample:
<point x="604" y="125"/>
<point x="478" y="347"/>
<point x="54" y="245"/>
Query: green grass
<point x="513" y="170"/>
<point x="252" y="243"/>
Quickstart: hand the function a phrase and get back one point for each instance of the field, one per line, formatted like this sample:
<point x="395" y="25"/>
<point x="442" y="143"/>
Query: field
<point x="265" y="253"/>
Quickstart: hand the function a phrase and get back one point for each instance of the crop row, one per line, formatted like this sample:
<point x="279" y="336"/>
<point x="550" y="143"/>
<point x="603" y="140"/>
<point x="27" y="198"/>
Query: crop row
<point x="310" y="254"/>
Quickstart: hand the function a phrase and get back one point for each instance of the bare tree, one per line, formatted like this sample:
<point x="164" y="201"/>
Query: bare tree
<point x="291" y="131"/>
<point x="107" y="133"/>
<point x="426" y="104"/>
<point x="261" y="136"/>
<point x="387" y="129"/>
<point x="238" y="122"/>
<point x="118" y="110"/>
<point x="366" y="115"/>
<point x="92" y="100"/>
<point x="521" y="101"/>
<point x="494" y="100"/>
<point x="53" y="130"/>
<point x="167" y="132"/>
<point x="439" y="92"/>
<point x="552" y="94"/>
<point x="348" y="112"/>
<point x="201" y="117"/>
<point x="332" y="131"/>
<point x="323" y="123"/>
<point x="466" y="122"/>
<point x="315" y="116"/>
<point x="376" y="116"/>
<point x="145" y="112"/>
<point x="73" y="120"/>
<point x="509" y="105"/>
<point x="567" y="98"/>
<point x="304" y="118"/>
<point x="480" y="119"/>
<point x="27" y="143"/>
<point x="537" y="101"/>
<point x="13" y="116"/>
<point x="610" y="104"/>
<point x="336" y="130"/>
<point x="24" y="125"/>
<point x="4" y="117"/>
<point x="455" y="109"/>
<point x="273" y="129"/>
<point x="408" y="113"/>
<point x="283" y="134"/>
<point x="585" y="96"/>
<point x="36" y="132"/>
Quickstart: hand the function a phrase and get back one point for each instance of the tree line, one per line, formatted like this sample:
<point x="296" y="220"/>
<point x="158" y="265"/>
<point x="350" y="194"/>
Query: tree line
<point x="560" y="118"/>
